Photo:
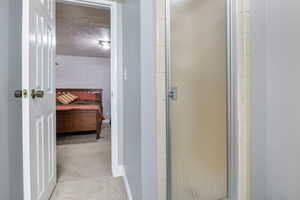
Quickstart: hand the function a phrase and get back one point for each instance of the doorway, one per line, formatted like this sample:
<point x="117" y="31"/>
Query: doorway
<point x="83" y="103"/>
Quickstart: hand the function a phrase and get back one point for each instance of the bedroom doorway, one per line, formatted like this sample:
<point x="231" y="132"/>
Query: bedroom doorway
<point x="86" y="109"/>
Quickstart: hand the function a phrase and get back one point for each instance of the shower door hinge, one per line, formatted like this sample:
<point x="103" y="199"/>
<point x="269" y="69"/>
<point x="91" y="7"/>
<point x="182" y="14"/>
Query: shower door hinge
<point x="173" y="93"/>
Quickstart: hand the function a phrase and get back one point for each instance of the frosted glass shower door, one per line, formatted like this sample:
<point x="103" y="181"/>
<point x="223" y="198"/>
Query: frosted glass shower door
<point x="198" y="113"/>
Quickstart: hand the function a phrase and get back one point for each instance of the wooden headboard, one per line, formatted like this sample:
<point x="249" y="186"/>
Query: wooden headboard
<point x="98" y="93"/>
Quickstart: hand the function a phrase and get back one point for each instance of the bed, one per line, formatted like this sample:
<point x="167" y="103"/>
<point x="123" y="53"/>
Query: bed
<point x="83" y="115"/>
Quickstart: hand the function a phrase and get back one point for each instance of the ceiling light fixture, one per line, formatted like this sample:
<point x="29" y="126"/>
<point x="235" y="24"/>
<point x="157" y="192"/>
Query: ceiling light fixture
<point x="104" y="44"/>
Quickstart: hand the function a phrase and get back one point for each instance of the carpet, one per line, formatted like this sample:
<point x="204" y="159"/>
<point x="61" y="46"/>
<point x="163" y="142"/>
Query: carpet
<point x="84" y="169"/>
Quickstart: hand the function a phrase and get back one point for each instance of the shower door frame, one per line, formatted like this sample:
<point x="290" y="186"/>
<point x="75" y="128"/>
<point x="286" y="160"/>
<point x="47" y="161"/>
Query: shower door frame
<point x="232" y="96"/>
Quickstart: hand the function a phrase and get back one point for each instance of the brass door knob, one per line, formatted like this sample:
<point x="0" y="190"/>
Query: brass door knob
<point x="20" y="93"/>
<point x="37" y="93"/>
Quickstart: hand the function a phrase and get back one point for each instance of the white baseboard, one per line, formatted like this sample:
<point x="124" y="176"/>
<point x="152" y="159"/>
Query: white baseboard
<point x="106" y="121"/>
<point x="118" y="171"/>
<point x="127" y="186"/>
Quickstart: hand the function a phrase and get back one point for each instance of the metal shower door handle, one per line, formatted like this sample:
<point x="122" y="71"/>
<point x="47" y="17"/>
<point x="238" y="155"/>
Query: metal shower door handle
<point x="173" y="93"/>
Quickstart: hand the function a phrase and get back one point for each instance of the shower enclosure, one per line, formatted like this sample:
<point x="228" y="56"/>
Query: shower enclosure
<point x="199" y="100"/>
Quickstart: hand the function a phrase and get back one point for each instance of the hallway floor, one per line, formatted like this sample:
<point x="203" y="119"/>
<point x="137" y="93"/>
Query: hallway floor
<point x="84" y="169"/>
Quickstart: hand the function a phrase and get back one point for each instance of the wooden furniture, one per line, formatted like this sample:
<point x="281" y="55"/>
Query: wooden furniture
<point x="85" y="114"/>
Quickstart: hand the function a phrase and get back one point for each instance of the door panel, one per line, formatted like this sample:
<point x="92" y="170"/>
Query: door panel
<point x="50" y="148"/>
<point x="39" y="153"/>
<point x="198" y="117"/>
<point x="49" y="58"/>
<point x="38" y="49"/>
<point x="39" y="141"/>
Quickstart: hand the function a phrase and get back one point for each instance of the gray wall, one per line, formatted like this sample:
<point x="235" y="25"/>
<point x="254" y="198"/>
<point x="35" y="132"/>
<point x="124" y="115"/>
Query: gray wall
<point x="4" y="156"/>
<point x="148" y="99"/>
<point x="283" y="100"/>
<point x="258" y="99"/>
<point x="10" y="109"/>
<point x="275" y="85"/>
<point x="132" y="95"/>
<point x="139" y="36"/>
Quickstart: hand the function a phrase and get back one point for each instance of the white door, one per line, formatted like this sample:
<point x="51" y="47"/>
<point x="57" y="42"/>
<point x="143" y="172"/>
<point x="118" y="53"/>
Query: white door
<point x="39" y="139"/>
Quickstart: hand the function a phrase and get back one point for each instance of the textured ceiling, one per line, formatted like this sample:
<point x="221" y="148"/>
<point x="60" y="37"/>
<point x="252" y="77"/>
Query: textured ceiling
<point x="78" y="30"/>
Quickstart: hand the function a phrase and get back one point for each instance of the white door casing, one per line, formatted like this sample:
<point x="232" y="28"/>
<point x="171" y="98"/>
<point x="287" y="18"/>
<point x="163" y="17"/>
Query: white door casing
<point x="39" y="138"/>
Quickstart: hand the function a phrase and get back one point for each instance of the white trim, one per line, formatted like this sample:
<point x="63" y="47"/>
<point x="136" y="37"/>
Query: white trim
<point x="119" y="172"/>
<point x="115" y="90"/>
<point x="93" y="3"/>
<point x="106" y="121"/>
<point x="127" y="186"/>
<point x="115" y="74"/>
<point x="242" y="98"/>
<point x="25" y="103"/>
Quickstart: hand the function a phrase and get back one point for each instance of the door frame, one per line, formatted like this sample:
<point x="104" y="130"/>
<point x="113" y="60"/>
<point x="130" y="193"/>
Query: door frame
<point x="116" y="73"/>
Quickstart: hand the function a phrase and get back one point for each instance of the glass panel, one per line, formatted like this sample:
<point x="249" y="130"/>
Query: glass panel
<point x="198" y="117"/>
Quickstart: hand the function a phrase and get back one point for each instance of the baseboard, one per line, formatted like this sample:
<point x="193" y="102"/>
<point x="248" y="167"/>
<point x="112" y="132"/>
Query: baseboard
<point x="106" y="121"/>
<point x="118" y="171"/>
<point x="127" y="186"/>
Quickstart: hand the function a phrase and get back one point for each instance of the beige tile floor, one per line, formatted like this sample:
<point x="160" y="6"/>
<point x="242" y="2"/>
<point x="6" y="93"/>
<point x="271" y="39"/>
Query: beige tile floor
<point x="83" y="167"/>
